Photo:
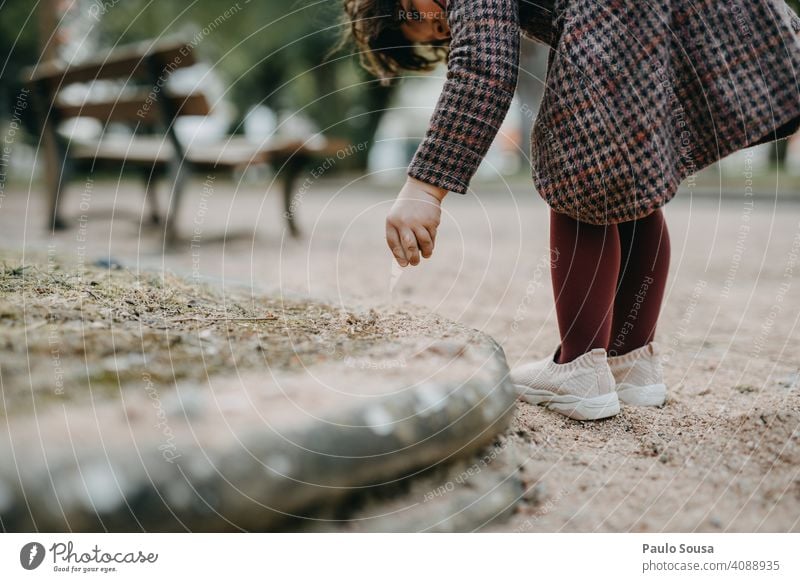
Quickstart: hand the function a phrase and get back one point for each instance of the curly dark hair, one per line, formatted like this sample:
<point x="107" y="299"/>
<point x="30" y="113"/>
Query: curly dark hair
<point x="384" y="51"/>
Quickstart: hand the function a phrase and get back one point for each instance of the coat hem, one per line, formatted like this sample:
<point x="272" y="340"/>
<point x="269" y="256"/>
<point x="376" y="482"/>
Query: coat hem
<point x="785" y="126"/>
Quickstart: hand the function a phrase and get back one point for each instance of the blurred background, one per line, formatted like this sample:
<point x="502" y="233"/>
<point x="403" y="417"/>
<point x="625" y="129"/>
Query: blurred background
<point x="265" y="66"/>
<point x="267" y="69"/>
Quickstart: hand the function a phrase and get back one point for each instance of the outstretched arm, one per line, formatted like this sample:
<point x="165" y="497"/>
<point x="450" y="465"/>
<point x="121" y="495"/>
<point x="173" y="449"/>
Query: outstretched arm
<point x="482" y="72"/>
<point x="481" y="80"/>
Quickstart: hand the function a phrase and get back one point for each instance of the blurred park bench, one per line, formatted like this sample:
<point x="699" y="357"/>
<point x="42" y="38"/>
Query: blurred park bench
<point x="142" y="102"/>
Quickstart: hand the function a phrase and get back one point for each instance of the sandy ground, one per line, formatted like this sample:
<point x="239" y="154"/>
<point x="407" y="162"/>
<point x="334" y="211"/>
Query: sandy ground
<point x="722" y="455"/>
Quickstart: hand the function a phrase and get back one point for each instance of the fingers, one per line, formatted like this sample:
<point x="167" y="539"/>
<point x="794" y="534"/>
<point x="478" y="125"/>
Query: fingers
<point x="432" y="232"/>
<point x="424" y="241"/>
<point x="409" y="242"/>
<point x="393" y="240"/>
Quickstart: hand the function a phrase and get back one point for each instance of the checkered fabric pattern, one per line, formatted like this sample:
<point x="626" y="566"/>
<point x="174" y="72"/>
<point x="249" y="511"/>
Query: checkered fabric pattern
<point x="481" y="80"/>
<point x="639" y="96"/>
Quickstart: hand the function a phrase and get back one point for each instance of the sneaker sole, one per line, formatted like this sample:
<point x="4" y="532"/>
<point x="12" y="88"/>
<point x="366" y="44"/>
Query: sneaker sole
<point x="650" y="395"/>
<point x="575" y="407"/>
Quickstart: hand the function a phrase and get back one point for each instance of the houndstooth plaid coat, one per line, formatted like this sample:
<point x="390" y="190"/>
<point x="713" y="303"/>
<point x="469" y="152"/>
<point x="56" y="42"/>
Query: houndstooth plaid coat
<point x="638" y="97"/>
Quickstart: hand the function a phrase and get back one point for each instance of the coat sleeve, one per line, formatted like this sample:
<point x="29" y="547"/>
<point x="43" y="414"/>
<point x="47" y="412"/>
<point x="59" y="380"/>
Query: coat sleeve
<point x="482" y="70"/>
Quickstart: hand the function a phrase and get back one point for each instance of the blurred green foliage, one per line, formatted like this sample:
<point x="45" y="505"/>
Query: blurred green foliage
<point x="18" y="49"/>
<point x="270" y="51"/>
<point x="267" y="51"/>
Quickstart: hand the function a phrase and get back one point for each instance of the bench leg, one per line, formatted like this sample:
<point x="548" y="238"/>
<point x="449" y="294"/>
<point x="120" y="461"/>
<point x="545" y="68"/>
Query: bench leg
<point x="174" y="206"/>
<point x="55" y="155"/>
<point x="56" y="221"/>
<point x="58" y="175"/>
<point x="150" y="194"/>
<point x="292" y="170"/>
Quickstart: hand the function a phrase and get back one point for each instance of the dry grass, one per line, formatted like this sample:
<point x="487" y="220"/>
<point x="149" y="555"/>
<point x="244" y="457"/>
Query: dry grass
<point x="81" y="333"/>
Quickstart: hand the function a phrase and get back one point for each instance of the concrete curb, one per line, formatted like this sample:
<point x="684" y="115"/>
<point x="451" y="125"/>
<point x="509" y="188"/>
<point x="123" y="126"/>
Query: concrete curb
<point x="54" y="477"/>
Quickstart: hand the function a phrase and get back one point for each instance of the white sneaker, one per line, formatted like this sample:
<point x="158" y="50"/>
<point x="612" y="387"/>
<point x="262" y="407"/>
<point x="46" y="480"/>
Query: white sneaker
<point x="582" y="389"/>
<point x="639" y="376"/>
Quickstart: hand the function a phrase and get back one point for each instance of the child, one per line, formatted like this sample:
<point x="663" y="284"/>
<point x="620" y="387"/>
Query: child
<point x="639" y="96"/>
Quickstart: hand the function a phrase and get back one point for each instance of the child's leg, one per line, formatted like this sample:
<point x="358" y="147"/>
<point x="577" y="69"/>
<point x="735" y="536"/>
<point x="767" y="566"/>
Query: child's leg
<point x="585" y="267"/>
<point x="642" y="280"/>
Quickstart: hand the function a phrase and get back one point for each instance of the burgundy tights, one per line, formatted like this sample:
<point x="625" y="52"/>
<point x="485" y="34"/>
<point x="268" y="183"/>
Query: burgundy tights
<point x="608" y="282"/>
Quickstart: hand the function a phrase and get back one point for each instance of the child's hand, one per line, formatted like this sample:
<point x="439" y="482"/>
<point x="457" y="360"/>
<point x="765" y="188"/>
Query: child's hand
<point x="413" y="220"/>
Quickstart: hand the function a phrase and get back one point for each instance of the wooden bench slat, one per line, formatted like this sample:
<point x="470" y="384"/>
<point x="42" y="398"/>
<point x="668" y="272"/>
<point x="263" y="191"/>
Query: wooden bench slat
<point x="159" y="150"/>
<point x="235" y="152"/>
<point x="123" y="62"/>
<point x="141" y="108"/>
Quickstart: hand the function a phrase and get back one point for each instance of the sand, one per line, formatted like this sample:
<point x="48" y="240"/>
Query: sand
<point x="721" y="455"/>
